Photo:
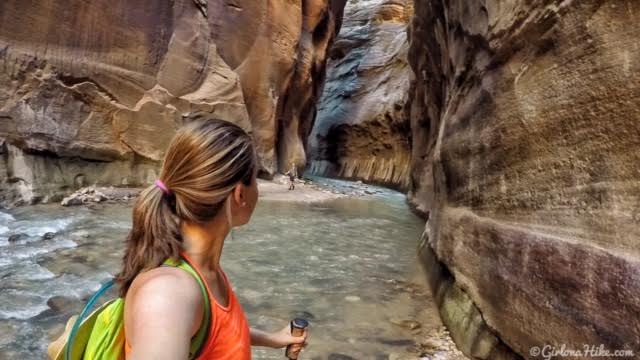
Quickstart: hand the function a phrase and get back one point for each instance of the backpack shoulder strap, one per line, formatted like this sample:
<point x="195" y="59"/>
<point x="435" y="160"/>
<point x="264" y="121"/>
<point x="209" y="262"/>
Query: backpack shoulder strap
<point x="198" y="340"/>
<point x="85" y="312"/>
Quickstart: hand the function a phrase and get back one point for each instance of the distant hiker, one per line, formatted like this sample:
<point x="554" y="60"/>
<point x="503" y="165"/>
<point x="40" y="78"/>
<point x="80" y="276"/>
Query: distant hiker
<point x="293" y="174"/>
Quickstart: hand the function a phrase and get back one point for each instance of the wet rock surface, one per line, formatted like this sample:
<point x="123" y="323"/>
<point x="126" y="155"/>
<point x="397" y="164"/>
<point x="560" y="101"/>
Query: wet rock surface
<point x="524" y="127"/>
<point x="362" y="129"/>
<point x="14" y="238"/>
<point x="340" y="357"/>
<point x="62" y="304"/>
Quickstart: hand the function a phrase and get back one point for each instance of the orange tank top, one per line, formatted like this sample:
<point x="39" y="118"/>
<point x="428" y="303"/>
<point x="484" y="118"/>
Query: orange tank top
<point x="229" y="337"/>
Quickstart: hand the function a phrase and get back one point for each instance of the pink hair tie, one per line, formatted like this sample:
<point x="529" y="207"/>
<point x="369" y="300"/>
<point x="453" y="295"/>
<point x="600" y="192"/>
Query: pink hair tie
<point x="162" y="187"/>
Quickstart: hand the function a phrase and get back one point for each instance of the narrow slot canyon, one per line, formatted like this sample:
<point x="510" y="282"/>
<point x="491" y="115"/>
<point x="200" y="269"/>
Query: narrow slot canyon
<point x="468" y="172"/>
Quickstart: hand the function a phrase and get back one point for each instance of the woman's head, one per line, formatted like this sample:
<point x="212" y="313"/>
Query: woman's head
<point x="209" y="168"/>
<point x="205" y="162"/>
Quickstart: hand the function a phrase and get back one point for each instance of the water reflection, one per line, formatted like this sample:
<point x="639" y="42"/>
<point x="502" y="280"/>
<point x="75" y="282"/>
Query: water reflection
<point x="334" y="263"/>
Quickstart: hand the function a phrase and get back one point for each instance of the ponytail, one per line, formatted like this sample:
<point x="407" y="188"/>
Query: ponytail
<point x="155" y="235"/>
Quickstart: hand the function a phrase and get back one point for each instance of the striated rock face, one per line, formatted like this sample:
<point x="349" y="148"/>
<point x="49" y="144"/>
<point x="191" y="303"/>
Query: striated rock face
<point x="95" y="90"/>
<point x="526" y="128"/>
<point x="279" y="50"/>
<point x="361" y="130"/>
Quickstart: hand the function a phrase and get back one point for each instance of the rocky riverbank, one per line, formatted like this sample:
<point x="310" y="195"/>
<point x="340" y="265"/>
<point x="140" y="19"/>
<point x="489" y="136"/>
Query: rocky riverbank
<point x="100" y="194"/>
<point x="306" y="190"/>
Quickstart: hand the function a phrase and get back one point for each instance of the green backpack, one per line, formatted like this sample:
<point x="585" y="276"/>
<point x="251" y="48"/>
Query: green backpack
<point x="99" y="335"/>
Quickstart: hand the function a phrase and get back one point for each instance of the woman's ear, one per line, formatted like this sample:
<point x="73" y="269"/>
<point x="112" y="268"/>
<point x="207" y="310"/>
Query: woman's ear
<point x="238" y="195"/>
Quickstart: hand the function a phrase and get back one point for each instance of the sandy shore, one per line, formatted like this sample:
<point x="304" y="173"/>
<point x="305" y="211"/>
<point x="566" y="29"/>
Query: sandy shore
<point x="278" y="190"/>
<point x="272" y="190"/>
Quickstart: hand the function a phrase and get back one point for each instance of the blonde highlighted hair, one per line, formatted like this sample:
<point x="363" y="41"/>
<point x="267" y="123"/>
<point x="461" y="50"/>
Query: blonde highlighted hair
<point x="203" y="164"/>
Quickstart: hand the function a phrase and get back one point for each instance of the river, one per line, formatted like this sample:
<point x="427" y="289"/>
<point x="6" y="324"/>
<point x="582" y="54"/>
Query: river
<point x="348" y="265"/>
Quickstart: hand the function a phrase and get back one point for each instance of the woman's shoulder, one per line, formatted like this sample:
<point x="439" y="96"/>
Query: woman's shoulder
<point x="165" y="279"/>
<point x="165" y="289"/>
<point x="165" y="296"/>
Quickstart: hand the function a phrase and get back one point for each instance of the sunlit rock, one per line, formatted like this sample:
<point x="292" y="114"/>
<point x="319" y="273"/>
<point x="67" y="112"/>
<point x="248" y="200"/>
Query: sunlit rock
<point x="95" y="90"/>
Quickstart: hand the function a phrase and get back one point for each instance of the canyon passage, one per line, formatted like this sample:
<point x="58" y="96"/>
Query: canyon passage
<point x="511" y="130"/>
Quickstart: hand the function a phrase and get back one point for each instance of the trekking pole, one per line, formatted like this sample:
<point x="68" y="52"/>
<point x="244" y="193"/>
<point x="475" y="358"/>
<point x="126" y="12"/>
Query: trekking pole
<point x="298" y="326"/>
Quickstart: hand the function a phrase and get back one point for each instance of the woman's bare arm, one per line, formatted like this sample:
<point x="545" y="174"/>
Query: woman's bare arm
<point x="162" y="313"/>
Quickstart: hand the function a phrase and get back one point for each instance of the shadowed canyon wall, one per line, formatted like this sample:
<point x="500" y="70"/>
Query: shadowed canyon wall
<point x="525" y="120"/>
<point x="92" y="92"/>
<point x="362" y="130"/>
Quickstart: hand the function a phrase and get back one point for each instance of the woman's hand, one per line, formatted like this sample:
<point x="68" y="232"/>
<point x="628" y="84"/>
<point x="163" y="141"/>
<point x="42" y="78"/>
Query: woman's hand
<point x="283" y="338"/>
<point x="278" y="339"/>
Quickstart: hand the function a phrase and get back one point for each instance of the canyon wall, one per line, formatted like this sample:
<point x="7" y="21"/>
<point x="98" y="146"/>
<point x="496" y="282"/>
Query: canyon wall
<point x="525" y="120"/>
<point x="92" y="92"/>
<point x="362" y="130"/>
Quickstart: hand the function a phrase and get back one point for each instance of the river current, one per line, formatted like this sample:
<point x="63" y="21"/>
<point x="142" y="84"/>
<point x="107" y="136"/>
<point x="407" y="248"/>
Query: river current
<point x="342" y="264"/>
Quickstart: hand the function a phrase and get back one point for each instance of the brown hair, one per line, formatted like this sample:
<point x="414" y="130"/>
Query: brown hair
<point x="203" y="164"/>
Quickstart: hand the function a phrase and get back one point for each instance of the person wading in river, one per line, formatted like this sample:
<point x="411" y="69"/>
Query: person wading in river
<point x="207" y="185"/>
<point x="293" y="174"/>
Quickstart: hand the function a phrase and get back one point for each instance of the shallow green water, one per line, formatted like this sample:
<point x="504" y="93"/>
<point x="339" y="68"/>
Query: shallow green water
<point x="336" y="263"/>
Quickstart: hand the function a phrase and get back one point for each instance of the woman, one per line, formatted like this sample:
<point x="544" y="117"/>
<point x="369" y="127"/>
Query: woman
<point x="207" y="185"/>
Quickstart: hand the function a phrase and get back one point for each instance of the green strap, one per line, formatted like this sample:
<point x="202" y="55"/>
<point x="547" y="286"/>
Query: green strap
<point x="198" y="340"/>
<point x="85" y="312"/>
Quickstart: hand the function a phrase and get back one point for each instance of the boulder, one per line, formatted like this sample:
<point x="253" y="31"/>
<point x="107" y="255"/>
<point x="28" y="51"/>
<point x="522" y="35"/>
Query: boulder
<point x="13" y="238"/>
<point x="62" y="304"/>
